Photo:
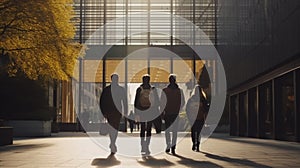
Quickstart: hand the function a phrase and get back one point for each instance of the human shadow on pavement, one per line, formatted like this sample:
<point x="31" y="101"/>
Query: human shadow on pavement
<point x="150" y="161"/>
<point x="236" y="161"/>
<point x="110" y="161"/>
<point x="291" y="146"/>
<point x="23" y="148"/>
<point x="187" y="162"/>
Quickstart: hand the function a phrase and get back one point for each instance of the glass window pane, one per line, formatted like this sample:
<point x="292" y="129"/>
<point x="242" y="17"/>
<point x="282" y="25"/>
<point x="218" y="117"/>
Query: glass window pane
<point x="115" y="66"/>
<point x="252" y="112"/>
<point x="136" y="69"/>
<point x="160" y="71"/>
<point x="265" y="110"/>
<point x="92" y="71"/>
<point x="184" y="70"/>
<point x="288" y="104"/>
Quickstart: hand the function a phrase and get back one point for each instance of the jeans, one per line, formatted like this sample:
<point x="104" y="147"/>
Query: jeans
<point x="171" y="122"/>
<point x="145" y="135"/>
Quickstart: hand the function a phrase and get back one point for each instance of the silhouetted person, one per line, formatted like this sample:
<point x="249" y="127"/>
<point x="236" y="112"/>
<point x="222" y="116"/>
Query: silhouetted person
<point x="146" y="107"/>
<point x="85" y="119"/>
<point x="172" y="101"/>
<point x="157" y="122"/>
<point x="197" y="108"/>
<point x="131" y="120"/>
<point x="113" y="102"/>
<point x="137" y="121"/>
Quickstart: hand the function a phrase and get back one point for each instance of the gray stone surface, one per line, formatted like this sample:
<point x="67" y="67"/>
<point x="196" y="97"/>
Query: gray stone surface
<point x="78" y="150"/>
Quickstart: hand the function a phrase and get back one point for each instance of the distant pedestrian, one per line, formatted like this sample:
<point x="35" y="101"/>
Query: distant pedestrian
<point x="137" y="121"/>
<point x="113" y="102"/>
<point x="85" y="119"/>
<point x="172" y="101"/>
<point x="146" y="107"/>
<point x="197" y="108"/>
<point x="131" y="120"/>
<point x="157" y="122"/>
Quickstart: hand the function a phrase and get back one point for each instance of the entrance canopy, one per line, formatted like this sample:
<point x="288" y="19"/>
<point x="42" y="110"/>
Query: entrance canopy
<point x="159" y="63"/>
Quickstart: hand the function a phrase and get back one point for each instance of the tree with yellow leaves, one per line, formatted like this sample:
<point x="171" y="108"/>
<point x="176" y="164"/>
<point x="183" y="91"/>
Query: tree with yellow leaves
<point x="36" y="38"/>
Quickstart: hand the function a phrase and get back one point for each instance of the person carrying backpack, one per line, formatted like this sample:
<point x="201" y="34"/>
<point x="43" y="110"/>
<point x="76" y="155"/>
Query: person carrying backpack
<point x="146" y="107"/>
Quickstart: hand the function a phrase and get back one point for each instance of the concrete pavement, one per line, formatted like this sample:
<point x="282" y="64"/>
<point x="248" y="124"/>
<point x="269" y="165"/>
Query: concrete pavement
<point x="78" y="150"/>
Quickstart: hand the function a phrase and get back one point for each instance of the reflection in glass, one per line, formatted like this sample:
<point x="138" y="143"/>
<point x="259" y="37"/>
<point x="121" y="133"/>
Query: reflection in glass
<point x="265" y="110"/>
<point x="288" y="104"/>
<point x="234" y="110"/>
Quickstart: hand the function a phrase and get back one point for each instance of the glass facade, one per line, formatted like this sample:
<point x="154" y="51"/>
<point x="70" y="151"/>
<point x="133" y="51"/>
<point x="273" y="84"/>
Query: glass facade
<point x="285" y="113"/>
<point x="268" y="110"/>
<point x="243" y="112"/>
<point x="129" y="26"/>
<point x="252" y="112"/>
<point x="259" y="44"/>
<point x="144" y="16"/>
<point x="258" y="38"/>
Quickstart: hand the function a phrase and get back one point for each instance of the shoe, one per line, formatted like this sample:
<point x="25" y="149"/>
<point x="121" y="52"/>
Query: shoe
<point x="113" y="149"/>
<point x="147" y="151"/>
<point x="173" y="151"/>
<point x="167" y="150"/>
<point x="194" y="147"/>
<point x="198" y="148"/>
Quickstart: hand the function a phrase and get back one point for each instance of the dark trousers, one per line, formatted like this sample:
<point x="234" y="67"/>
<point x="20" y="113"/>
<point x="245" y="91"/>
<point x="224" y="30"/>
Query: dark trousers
<point x="171" y="122"/>
<point x="145" y="133"/>
<point x="131" y="125"/>
<point x="157" y="124"/>
<point x="195" y="132"/>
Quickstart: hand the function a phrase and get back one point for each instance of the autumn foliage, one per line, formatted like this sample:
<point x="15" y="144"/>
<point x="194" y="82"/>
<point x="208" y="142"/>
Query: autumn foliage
<point x="36" y="38"/>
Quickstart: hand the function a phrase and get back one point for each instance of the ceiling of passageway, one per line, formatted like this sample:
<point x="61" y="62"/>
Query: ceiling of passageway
<point x="159" y="70"/>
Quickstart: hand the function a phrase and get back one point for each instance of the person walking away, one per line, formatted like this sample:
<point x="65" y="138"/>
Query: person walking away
<point x="137" y="122"/>
<point x="131" y="120"/>
<point x="146" y="107"/>
<point x="172" y="101"/>
<point x="197" y="108"/>
<point x="113" y="101"/>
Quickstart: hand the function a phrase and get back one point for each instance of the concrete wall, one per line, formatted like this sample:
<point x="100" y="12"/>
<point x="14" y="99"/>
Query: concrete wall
<point x="27" y="128"/>
<point x="6" y="134"/>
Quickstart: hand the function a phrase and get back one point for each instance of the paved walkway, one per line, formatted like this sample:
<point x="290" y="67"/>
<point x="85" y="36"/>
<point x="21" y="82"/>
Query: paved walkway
<point x="78" y="150"/>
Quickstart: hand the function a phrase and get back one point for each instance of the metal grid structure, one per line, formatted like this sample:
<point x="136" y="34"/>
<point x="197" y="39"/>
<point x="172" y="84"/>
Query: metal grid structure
<point x="145" y="16"/>
<point x="149" y="17"/>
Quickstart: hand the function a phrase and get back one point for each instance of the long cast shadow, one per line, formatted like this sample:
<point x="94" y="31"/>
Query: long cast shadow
<point x="150" y="161"/>
<point x="292" y="146"/>
<point x="187" y="162"/>
<point x="110" y="161"/>
<point x="238" y="162"/>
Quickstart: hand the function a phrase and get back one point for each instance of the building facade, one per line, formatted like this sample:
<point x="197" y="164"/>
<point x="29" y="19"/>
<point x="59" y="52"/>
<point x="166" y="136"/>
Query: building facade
<point x="261" y="40"/>
<point x="258" y="41"/>
<point x="141" y="24"/>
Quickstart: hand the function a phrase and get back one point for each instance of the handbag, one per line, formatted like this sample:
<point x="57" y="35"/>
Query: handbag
<point x="205" y="132"/>
<point x="104" y="128"/>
